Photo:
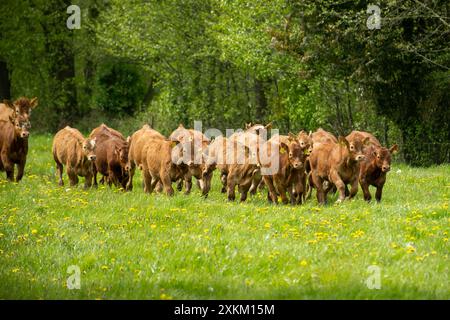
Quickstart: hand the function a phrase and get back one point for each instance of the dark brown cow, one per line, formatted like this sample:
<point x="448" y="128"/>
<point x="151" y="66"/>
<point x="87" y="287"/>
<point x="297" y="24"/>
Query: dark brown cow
<point x="14" y="135"/>
<point x="136" y="153"/>
<point x="337" y="163"/>
<point x="77" y="153"/>
<point x="21" y="107"/>
<point x="377" y="163"/>
<point x="290" y="163"/>
<point x="111" y="156"/>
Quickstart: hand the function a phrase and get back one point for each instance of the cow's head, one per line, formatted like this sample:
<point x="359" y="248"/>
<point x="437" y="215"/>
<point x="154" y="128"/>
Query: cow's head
<point x="89" y="146"/>
<point x="383" y="157"/>
<point x="305" y="141"/>
<point x="121" y="151"/>
<point x="355" y="147"/>
<point x="21" y="126"/>
<point x="294" y="151"/>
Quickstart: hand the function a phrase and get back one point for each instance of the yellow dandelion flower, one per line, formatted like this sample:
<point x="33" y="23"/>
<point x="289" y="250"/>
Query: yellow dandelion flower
<point x="34" y="231"/>
<point x="303" y="263"/>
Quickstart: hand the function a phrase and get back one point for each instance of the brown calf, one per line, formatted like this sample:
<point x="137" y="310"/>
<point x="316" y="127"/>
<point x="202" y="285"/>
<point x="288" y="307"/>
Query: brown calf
<point x="111" y="156"/>
<point x="337" y="163"/>
<point x="164" y="164"/>
<point x="288" y="177"/>
<point x="72" y="150"/>
<point x="14" y="145"/>
<point x="377" y="163"/>
<point x="136" y="153"/>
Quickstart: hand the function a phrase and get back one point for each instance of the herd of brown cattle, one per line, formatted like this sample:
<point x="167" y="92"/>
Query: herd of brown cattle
<point x="304" y="161"/>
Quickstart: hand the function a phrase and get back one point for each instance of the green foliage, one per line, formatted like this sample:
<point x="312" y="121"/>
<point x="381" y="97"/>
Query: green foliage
<point x="301" y="64"/>
<point x="120" y="89"/>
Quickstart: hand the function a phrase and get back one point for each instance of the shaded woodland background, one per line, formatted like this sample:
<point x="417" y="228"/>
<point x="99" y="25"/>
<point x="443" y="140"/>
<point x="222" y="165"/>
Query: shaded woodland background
<point x="301" y="64"/>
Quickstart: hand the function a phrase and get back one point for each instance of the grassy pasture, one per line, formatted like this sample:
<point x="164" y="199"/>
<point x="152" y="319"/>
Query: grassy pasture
<point x="131" y="245"/>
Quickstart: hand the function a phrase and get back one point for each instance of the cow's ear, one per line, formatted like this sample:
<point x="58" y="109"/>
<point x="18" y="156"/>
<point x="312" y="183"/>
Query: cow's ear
<point x="248" y="125"/>
<point x="366" y="141"/>
<point x="343" y="142"/>
<point x="310" y="134"/>
<point x="268" y="126"/>
<point x="180" y="126"/>
<point x="34" y="102"/>
<point x="128" y="139"/>
<point x="393" y="149"/>
<point x="283" y="148"/>
<point x="301" y="133"/>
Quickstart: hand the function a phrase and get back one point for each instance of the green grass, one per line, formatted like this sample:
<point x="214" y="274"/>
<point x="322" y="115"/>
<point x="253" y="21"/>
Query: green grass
<point x="136" y="246"/>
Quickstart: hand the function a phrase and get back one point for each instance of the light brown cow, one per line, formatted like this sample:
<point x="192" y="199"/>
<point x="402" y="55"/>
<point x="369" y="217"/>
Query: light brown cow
<point x="195" y="145"/>
<point x="290" y="164"/>
<point x="375" y="166"/>
<point x="337" y="163"/>
<point x="137" y="153"/>
<point x="77" y="153"/>
<point x="21" y="106"/>
<point x="164" y="163"/>
<point x="111" y="156"/>
<point x="14" y="135"/>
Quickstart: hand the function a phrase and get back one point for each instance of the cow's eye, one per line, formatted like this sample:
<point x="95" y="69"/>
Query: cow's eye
<point x="352" y="147"/>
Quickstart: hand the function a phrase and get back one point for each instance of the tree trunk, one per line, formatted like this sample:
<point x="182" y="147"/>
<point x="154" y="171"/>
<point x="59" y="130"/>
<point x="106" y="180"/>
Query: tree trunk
<point x="5" y="83"/>
<point x="260" y="101"/>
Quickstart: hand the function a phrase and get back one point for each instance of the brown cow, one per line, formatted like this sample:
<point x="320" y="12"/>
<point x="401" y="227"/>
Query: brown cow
<point x="289" y="168"/>
<point x="164" y="163"/>
<point x="253" y="141"/>
<point x="111" y="156"/>
<point x="77" y="153"/>
<point x="374" y="168"/>
<point x="14" y="145"/>
<point x="242" y="169"/>
<point x="337" y="163"/>
<point x="136" y="153"/>
<point x="195" y="145"/>
<point x="21" y="106"/>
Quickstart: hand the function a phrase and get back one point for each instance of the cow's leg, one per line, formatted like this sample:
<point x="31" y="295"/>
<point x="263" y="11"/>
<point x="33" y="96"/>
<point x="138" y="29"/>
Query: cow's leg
<point x="365" y="189"/>
<point x="223" y="179"/>
<point x="231" y="189"/>
<point x="282" y="191"/>
<point x="340" y="185"/>
<point x="379" y="193"/>
<point x="180" y="184"/>
<point x="20" y="170"/>
<point x="272" y="192"/>
<point x="187" y="184"/>
<point x="146" y="180"/>
<point x="8" y="166"/>
<point x="94" y="174"/>
<point x="309" y="186"/>
<point x="88" y="181"/>
<point x="59" y="171"/>
<point x="151" y="184"/>
<point x="167" y="183"/>
<point x="318" y="183"/>
<point x="243" y="190"/>
<point x="73" y="177"/>
<point x="354" y="187"/>
<point x="131" y="173"/>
